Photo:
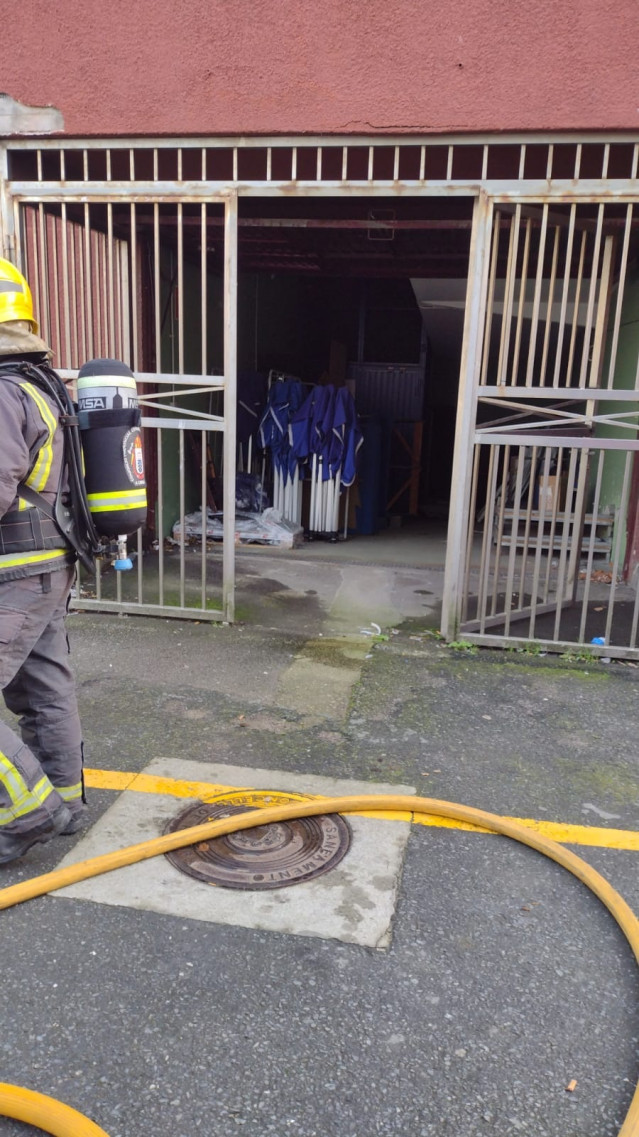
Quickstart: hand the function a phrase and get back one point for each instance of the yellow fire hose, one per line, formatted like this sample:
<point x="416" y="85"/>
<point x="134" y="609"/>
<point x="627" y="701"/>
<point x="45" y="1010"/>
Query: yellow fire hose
<point x="61" y="1121"/>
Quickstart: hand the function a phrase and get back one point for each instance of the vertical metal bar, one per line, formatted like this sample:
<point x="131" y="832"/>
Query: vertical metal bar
<point x="203" y="290"/>
<point x="522" y="161"/>
<point x="7" y="230"/>
<point x="449" y="164"/>
<point x="34" y="279"/>
<point x="577" y="170"/>
<point x="499" y="536"/>
<point x="52" y="243"/>
<point x="111" y="344"/>
<point x="509" y="288"/>
<point x="549" y="163"/>
<point x="88" y="282"/>
<point x="567" y="526"/>
<point x="134" y="288"/>
<point x="534" y="321"/>
<point x="621" y="289"/>
<point x="318" y="169"/>
<point x="549" y="307"/>
<point x="371" y="159"/>
<point x="528" y="524"/>
<point x="44" y="277"/>
<point x="182" y="473"/>
<point x="17" y="220"/>
<point x="65" y="288"/>
<point x="601" y="321"/>
<point x="205" y="516"/>
<point x="489" y="521"/>
<point x="488" y="323"/>
<point x="125" y="309"/>
<point x="564" y="295"/>
<point x="344" y="163"/>
<point x="118" y="587"/>
<point x="119" y="276"/>
<point x="592" y="291"/>
<point x="553" y="527"/>
<point x="294" y="165"/>
<point x="422" y="162"/>
<point x="269" y="163"/>
<point x="470" y="367"/>
<point x="577" y="505"/>
<point x="514" y="540"/>
<point x="104" y="298"/>
<point x="156" y="287"/>
<point x="541" y="521"/>
<point x="471" y="532"/>
<point x="230" y="403"/>
<point x="635" y="622"/>
<point x="396" y="165"/>
<point x="180" y="285"/>
<point x="522" y="301"/>
<point x="575" y="312"/>
<point x="140" y="566"/>
<point x="618" y="538"/>
<point x="591" y="545"/>
<point x="160" y="519"/>
<point x="484" y="163"/>
<point x="235" y="164"/>
<point x="75" y="302"/>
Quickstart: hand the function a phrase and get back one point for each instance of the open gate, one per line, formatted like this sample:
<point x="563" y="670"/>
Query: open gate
<point x="110" y="279"/>
<point x="122" y="238"/>
<point x="546" y="445"/>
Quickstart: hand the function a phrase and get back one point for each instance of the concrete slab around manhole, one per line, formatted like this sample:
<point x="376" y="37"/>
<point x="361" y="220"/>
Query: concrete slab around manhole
<point x="354" y="903"/>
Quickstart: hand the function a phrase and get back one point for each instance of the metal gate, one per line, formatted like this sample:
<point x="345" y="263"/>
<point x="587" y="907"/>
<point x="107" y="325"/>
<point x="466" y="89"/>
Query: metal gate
<point x="108" y="279"/>
<point x="114" y="235"/>
<point x="547" y="429"/>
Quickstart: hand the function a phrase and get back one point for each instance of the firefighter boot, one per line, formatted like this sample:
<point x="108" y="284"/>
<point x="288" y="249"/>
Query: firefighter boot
<point x="78" y="819"/>
<point x="15" y="845"/>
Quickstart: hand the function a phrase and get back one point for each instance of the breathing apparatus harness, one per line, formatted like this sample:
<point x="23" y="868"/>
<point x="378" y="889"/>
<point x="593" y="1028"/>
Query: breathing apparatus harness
<point x="70" y="513"/>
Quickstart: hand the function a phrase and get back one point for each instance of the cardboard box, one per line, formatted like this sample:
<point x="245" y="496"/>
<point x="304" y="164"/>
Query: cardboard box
<point x="551" y="490"/>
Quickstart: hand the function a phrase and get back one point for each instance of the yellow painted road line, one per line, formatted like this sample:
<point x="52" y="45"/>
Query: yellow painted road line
<point x="593" y="835"/>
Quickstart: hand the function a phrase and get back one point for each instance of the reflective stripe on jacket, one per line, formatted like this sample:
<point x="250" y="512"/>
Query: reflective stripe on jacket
<point x="32" y="452"/>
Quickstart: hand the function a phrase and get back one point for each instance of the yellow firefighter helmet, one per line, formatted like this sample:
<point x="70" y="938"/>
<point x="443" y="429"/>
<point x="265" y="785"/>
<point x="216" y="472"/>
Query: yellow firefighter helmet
<point x="15" y="296"/>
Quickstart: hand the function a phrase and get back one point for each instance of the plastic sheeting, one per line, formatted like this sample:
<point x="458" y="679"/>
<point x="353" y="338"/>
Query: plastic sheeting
<point x="267" y="528"/>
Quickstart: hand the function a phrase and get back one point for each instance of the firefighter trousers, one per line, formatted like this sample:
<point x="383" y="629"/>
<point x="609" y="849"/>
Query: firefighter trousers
<point x="43" y="767"/>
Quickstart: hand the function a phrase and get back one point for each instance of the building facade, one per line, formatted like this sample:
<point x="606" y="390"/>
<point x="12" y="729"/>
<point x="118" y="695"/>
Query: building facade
<point x="302" y="190"/>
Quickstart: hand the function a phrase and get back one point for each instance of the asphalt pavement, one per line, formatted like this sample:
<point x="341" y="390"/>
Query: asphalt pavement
<point x="506" y="1000"/>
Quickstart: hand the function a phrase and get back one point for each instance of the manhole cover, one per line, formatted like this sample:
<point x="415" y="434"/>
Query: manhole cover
<point x="269" y="856"/>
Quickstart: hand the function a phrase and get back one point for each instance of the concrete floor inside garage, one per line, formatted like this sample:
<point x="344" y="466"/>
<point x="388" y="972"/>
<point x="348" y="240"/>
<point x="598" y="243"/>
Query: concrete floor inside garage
<point x="497" y="980"/>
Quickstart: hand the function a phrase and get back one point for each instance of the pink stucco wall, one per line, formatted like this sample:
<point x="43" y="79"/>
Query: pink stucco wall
<point x="295" y="66"/>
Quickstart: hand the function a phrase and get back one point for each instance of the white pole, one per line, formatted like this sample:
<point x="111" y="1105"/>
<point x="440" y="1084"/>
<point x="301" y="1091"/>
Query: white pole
<point x="311" y="515"/>
<point x="338" y="484"/>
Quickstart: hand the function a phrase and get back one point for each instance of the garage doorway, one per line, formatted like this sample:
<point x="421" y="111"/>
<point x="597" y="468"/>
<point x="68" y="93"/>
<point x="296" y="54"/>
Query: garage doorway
<point x="368" y="241"/>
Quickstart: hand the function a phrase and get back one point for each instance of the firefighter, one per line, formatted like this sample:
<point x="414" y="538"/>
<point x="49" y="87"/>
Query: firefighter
<point x="41" y="781"/>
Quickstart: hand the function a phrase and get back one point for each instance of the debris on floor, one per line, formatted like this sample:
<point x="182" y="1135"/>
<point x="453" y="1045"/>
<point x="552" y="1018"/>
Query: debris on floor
<point x="267" y="528"/>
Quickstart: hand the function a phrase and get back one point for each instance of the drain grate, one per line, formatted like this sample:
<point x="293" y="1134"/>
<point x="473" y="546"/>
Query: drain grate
<point x="269" y="856"/>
